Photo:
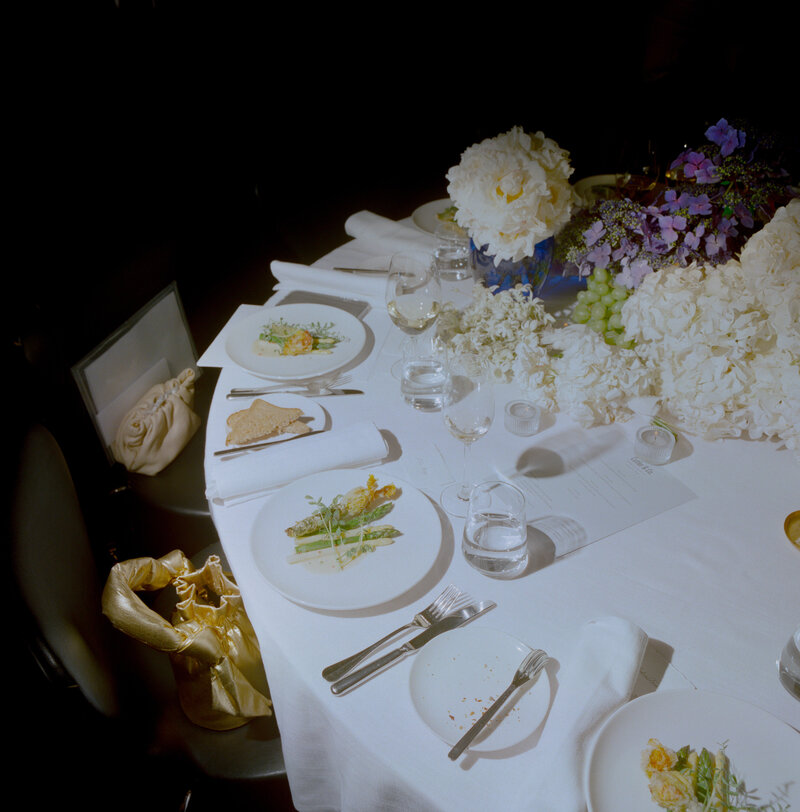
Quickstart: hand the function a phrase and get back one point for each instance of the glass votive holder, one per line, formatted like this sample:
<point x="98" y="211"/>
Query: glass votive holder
<point x="522" y="417"/>
<point x="654" y="444"/>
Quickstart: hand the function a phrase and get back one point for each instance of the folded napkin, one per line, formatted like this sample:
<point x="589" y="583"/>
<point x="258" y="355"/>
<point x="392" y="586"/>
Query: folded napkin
<point x="238" y="478"/>
<point x="291" y="275"/>
<point x="391" y="236"/>
<point x="596" y="680"/>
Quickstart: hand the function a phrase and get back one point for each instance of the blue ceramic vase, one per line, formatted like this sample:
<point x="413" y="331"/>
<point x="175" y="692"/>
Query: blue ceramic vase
<point x="505" y="274"/>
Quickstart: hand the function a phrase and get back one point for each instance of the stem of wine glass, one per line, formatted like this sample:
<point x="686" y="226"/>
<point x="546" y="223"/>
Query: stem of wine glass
<point x="463" y="492"/>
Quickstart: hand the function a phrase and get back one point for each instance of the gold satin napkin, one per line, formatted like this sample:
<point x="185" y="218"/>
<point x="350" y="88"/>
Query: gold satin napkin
<point x="210" y="640"/>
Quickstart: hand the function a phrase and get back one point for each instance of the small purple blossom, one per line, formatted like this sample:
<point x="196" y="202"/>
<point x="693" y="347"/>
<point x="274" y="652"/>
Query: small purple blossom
<point x="702" y="169"/>
<point x="699" y="205"/>
<point x="675" y="201"/>
<point x="692" y="238"/>
<point x="727" y="226"/>
<point x="670" y="226"/>
<point x="715" y="243"/>
<point x="726" y="137"/>
<point x="594" y="233"/>
<point x="743" y="215"/>
<point x="600" y="255"/>
<point x="632" y="273"/>
<point x="627" y="248"/>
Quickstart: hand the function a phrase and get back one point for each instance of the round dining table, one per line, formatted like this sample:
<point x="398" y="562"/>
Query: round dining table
<point x="663" y="595"/>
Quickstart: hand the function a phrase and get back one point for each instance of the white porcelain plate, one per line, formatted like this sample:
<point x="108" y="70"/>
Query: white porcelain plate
<point x="241" y="344"/>
<point x="458" y="675"/>
<point x="313" y="416"/>
<point x="763" y="751"/>
<point x="370" y="579"/>
<point x="426" y="216"/>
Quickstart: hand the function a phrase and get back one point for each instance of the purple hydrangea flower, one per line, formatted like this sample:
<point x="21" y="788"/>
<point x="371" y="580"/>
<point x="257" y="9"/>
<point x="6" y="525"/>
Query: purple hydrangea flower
<point x="599" y="255"/>
<point x="670" y="226"/>
<point x="700" y="205"/>
<point x="702" y="169"/>
<point x="632" y="274"/>
<point x="692" y="238"/>
<point x="743" y="215"/>
<point x="594" y="233"/>
<point x="715" y="243"/>
<point x="627" y="248"/>
<point x="675" y="201"/>
<point x="726" y="137"/>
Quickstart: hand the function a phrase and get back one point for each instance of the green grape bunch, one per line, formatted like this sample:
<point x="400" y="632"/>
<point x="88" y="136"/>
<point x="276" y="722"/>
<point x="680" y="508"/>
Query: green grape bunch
<point x="599" y="307"/>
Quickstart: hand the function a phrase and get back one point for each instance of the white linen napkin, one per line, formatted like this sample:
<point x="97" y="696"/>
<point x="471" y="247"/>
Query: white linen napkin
<point x="391" y="236"/>
<point x="292" y="275"/>
<point x="238" y="478"/>
<point x="596" y="680"/>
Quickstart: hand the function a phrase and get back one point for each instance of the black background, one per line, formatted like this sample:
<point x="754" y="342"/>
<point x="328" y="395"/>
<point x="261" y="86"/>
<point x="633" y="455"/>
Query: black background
<point x="157" y="141"/>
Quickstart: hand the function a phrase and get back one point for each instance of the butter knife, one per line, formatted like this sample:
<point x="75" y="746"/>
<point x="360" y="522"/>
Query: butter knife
<point x="451" y="621"/>
<point x="251" y="446"/>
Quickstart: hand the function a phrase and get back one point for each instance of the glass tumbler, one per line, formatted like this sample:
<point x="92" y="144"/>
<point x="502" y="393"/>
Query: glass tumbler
<point x="495" y="540"/>
<point x="789" y="665"/>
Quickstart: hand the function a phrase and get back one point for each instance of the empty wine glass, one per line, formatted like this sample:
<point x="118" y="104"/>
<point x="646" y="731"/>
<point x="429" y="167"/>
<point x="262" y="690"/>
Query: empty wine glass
<point x="413" y="297"/>
<point x="468" y="413"/>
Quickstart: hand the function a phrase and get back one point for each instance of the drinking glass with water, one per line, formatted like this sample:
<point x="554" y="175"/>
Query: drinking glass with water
<point x="495" y="540"/>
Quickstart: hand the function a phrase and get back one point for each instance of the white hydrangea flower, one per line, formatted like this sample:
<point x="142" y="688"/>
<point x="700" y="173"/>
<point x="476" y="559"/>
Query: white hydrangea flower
<point x="725" y="341"/>
<point x="511" y="192"/>
<point x="718" y="349"/>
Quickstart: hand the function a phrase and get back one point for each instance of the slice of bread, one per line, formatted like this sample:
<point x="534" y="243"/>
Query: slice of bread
<point x="260" y="421"/>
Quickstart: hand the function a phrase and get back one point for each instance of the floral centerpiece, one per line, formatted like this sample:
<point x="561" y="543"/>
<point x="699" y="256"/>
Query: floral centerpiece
<point x="719" y="195"/>
<point x="715" y="349"/>
<point x="512" y="193"/>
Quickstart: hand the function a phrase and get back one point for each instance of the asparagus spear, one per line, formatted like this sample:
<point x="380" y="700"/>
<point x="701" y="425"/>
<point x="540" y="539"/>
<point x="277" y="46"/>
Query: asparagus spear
<point x="322" y="540"/>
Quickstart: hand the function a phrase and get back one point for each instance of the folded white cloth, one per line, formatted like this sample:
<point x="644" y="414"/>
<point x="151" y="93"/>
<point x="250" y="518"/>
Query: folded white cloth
<point x="238" y="478"/>
<point x="391" y="236"/>
<point x="596" y="680"/>
<point x="292" y="275"/>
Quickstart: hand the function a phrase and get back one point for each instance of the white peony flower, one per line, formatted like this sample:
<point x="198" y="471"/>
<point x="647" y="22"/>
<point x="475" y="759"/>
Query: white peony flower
<point x="511" y="192"/>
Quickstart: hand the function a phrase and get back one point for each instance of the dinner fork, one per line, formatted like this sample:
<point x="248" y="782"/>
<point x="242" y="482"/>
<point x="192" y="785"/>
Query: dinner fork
<point x="316" y="387"/>
<point x="451" y="599"/>
<point x="529" y="669"/>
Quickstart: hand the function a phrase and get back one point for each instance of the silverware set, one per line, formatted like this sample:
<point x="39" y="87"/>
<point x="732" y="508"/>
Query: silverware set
<point x="451" y="621"/>
<point x="451" y="609"/>
<point x="450" y="600"/>
<point x="314" y="389"/>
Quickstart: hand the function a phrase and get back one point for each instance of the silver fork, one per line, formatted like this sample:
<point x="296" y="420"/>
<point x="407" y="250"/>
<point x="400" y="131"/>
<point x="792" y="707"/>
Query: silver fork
<point x="529" y="669"/>
<point x="311" y="387"/>
<point x="451" y="599"/>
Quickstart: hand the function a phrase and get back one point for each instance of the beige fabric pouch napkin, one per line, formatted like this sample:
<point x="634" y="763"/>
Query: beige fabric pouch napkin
<point x="596" y="680"/>
<point x="156" y="430"/>
<point x="241" y="477"/>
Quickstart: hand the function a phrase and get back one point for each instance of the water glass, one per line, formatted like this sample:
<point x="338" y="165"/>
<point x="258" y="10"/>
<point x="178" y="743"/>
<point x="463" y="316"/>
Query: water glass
<point x="423" y="380"/>
<point x="495" y="540"/>
<point x="452" y="253"/>
<point x="789" y="665"/>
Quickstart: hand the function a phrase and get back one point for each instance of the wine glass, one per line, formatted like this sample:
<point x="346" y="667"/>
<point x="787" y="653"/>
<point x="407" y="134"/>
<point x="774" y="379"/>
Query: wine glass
<point x="413" y="297"/>
<point x="468" y="413"/>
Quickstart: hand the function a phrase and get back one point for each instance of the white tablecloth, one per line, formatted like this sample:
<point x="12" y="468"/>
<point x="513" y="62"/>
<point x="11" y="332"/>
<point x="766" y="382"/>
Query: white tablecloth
<point x="712" y="582"/>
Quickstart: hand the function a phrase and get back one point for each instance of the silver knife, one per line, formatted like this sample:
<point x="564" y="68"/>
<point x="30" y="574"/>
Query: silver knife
<point x="362" y="270"/>
<point x="451" y="621"/>
<point x="305" y="392"/>
<point x="266" y="443"/>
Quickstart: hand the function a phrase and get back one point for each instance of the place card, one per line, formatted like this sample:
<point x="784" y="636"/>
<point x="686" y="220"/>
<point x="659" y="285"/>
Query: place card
<point x="582" y="486"/>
